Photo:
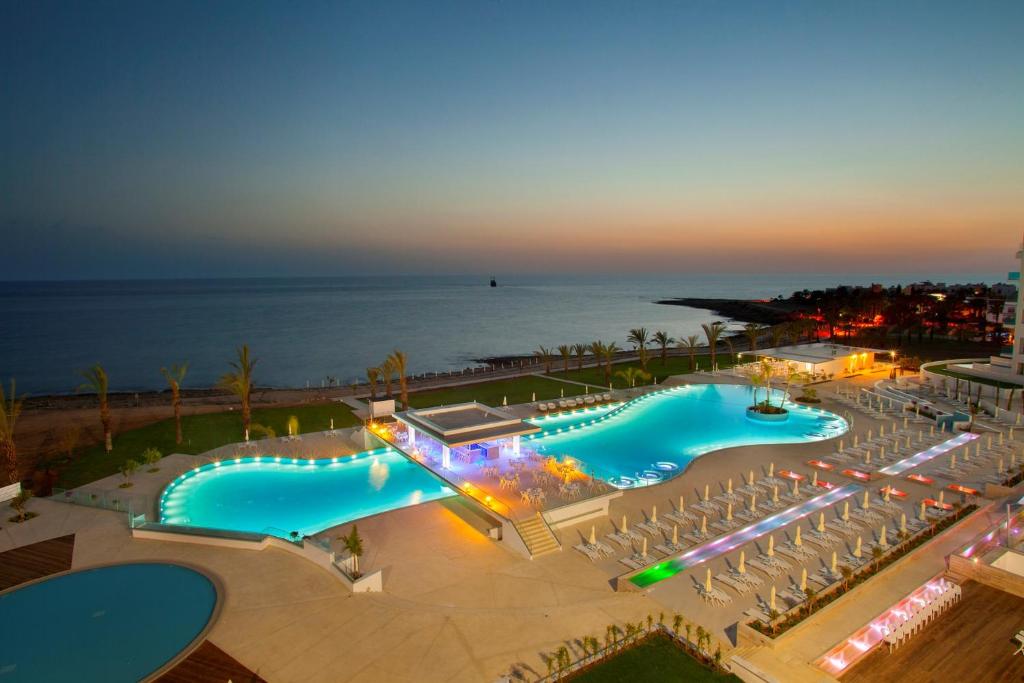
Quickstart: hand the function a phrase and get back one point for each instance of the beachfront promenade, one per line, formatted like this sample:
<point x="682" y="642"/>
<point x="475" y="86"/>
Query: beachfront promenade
<point x="457" y="605"/>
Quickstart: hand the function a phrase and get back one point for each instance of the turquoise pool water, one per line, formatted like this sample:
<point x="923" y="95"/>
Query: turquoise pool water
<point x="653" y="438"/>
<point x="268" y="494"/>
<point x="117" y="623"/>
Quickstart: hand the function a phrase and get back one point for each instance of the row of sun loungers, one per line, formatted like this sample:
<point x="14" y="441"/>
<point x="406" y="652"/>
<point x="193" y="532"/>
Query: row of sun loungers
<point x="569" y="404"/>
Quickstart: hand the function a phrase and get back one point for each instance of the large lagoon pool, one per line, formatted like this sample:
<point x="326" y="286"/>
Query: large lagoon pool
<point x="279" y="496"/>
<point x="117" y="623"/>
<point x="654" y="437"/>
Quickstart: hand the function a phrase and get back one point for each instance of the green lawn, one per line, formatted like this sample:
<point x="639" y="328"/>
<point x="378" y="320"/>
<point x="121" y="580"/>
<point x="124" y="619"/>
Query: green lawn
<point x="522" y="389"/>
<point x="657" y="659"/>
<point x="201" y="433"/>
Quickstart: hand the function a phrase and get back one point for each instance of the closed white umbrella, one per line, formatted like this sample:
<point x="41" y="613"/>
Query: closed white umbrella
<point x="771" y="546"/>
<point x="728" y="486"/>
<point x="504" y="400"/>
<point x="775" y="494"/>
<point x="867" y="501"/>
<point x="643" y="550"/>
<point x="753" y="502"/>
<point x="835" y="561"/>
<point x="707" y="581"/>
<point x="846" y="511"/>
<point x="771" y="600"/>
<point x="921" y="513"/>
<point x="797" y="541"/>
<point x="533" y="396"/>
<point x="682" y="504"/>
<point x="742" y="568"/>
<point x="814" y="478"/>
<point x="803" y="580"/>
<point x="750" y="479"/>
<point x="704" y="525"/>
<point x="771" y="469"/>
<point x="903" y="522"/>
<point x="654" y="514"/>
<point x="796" y="488"/>
<point x="883" y="537"/>
<point x="675" y="535"/>
<point x="857" y="549"/>
<point x="624" y="527"/>
<point x="728" y="512"/>
<point x="707" y="492"/>
<point x="593" y="535"/>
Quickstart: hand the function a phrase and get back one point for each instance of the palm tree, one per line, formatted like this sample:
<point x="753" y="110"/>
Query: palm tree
<point x="96" y="380"/>
<point x="19" y="502"/>
<point x="9" y="412"/>
<point x="690" y="345"/>
<point x="713" y="332"/>
<point x="387" y="370"/>
<point x="677" y="623"/>
<point x="566" y="352"/>
<point x="239" y="383"/>
<point x="597" y="349"/>
<point x="753" y="331"/>
<point x="777" y="332"/>
<point x="175" y="376"/>
<point x="638" y="338"/>
<point x="609" y="352"/>
<point x="580" y="350"/>
<point x="372" y="377"/>
<point x="354" y="544"/>
<point x="544" y="354"/>
<point x="662" y="339"/>
<point x="631" y="375"/>
<point x="399" y="361"/>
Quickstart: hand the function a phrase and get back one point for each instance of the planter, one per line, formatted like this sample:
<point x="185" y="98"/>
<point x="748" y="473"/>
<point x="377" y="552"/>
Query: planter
<point x="9" y="492"/>
<point x="754" y="414"/>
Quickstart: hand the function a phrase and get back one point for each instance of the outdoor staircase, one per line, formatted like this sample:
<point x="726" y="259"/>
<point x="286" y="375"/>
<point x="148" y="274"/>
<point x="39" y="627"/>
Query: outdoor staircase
<point x="537" y="536"/>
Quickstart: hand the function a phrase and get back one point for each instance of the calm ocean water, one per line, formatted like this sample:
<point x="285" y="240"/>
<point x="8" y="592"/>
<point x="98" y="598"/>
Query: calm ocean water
<point x="305" y="329"/>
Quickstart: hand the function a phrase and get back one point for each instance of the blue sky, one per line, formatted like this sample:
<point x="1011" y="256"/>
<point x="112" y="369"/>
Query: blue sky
<point x="244" y="138"/>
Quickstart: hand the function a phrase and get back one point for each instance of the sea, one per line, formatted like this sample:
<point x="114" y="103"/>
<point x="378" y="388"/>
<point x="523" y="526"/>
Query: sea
<point x="312" y="331"/>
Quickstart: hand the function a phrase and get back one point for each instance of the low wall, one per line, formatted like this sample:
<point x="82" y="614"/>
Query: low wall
<point x="368" y="583"/>
<point x="1008" y="582"/>
<point x="9" y="492"/>
<point x="581" y="511"/>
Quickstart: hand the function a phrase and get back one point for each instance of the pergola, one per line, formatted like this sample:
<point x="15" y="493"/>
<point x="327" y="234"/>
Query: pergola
<point x="464" y="424"/>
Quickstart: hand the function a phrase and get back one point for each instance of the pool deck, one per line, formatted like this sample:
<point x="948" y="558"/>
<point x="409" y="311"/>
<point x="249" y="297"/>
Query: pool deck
<point x="457" y="606"/>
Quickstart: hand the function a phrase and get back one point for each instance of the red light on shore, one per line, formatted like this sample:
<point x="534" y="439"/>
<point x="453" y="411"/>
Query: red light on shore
<point x="821" y="465"/>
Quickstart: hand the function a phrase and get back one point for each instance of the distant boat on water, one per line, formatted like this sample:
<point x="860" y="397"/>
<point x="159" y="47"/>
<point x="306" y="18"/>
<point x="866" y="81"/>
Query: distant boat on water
<point x="494" y="283"/>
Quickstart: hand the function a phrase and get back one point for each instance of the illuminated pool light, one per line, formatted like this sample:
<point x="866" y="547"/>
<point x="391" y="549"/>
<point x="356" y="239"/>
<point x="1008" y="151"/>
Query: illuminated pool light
<point x="935" y="451"/>
<point x="670" y="567"/>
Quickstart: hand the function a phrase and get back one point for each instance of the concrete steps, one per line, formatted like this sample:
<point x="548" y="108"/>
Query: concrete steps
<point x="537" y="536"/>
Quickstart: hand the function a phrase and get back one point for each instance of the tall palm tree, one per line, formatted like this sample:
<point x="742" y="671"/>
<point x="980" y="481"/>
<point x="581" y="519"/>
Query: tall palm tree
<point x="690" y="346"/>
<point x="9" y="412"/>
<point x="387" y="371"/>
<point x="753" y="331"/>
<point x="96" y="381"/>
<point x="597" y="349"/>
<point x="580" y="350"/>
<point x="713" y="332"/>
<point x="609" y="351"/>
<point x="777" y="332"/>
<point x="662" y="339"/>
<point x="399" y="361"/>
<point x="638" y="338"/>
<point x="544" y="354"/>
<point x="566" y="352"/>
<point x="372" y="377"/>
<point x="175" y="375"/>
<point x="239" y="383"/>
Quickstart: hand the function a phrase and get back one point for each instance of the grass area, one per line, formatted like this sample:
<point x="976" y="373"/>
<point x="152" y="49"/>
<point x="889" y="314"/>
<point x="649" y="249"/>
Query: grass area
<point x="201" y="433"/>
<point x="654" y="659"/>
<point x="522" y="389"/>
<point x="944" y="370"/>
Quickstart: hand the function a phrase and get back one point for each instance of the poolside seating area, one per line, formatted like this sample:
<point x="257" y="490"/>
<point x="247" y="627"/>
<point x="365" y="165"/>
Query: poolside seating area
<point x="919" y="613"/>
<point x="572" y="403"/>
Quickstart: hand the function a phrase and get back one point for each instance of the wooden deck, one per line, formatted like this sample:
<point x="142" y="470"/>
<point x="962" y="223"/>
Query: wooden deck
<point x="36" y="560"/>
<point x="209" y="664"/>
<point x="970" y="642"/>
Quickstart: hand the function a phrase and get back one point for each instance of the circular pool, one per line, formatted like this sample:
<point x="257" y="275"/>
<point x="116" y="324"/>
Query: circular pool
<point x="119" y="622"/>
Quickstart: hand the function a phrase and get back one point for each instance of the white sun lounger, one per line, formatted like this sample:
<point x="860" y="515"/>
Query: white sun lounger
<point x="730" y="581"/>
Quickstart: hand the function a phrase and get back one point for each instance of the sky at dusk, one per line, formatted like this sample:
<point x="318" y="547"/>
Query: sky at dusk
<point x="177" y="139"/>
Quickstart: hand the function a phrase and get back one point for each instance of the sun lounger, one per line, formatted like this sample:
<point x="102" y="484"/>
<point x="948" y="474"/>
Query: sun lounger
<point x="730" y="581"/>
<point x="681" y="517"/>
<point x="822" y="540"/>
<point x="725" y="525"/>
<point x="798" y="551"/>
<point x="696" y="537"/>
<point x="773" y="568"/>
<point x="620" y="540"/>
<point x="586" y="550"/>
<point x="715" y="596"/>
<point x="757" y="615"/>
<point x="669" y="549"/>
<point x="629" y="562"/>
<point x="706" y="506"/>
<point x="648" y="528"/>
